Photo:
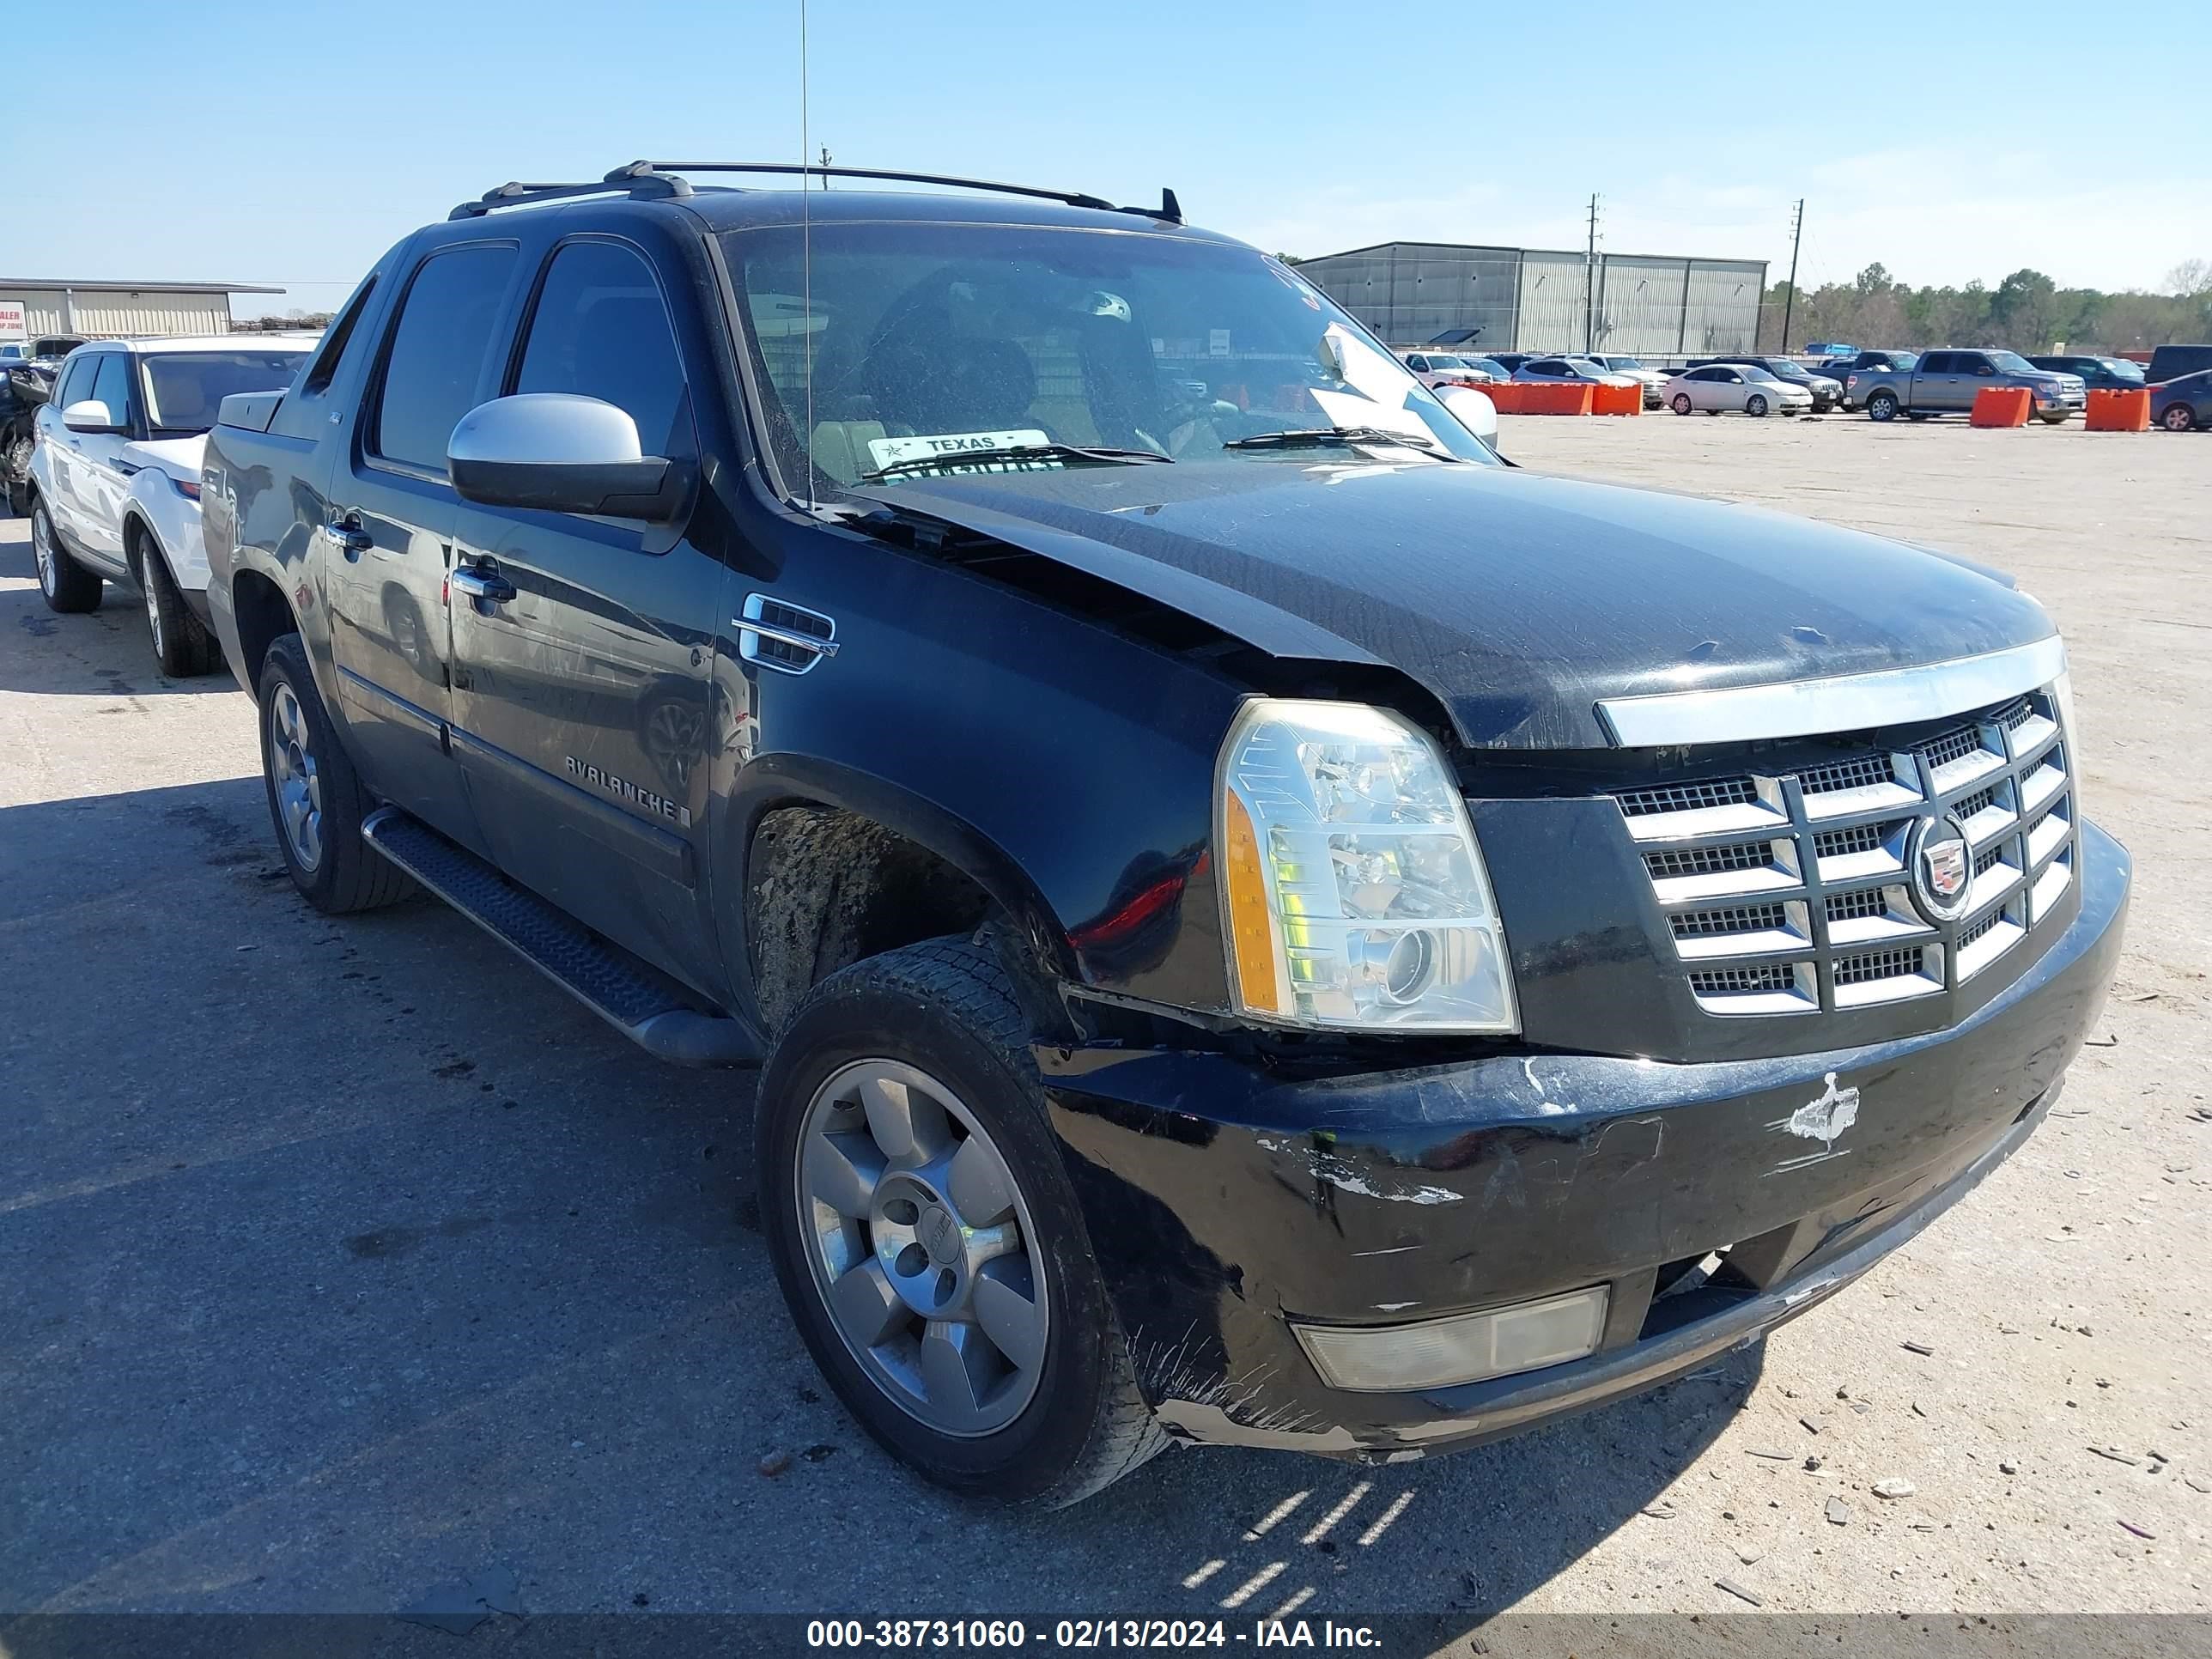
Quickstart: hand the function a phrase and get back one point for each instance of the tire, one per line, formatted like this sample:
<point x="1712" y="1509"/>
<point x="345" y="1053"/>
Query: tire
<point x="2180" y="416"/>
<point x="1047" y="1434"/>
<point x="2059" y="419"/>
<point x="312" y="785"/>
<point x="1755" y="406"/>
<point x="1682" y="405"/>
<point x="16" y="464"/>
<point x="182" y="646"/>
<point x="1883" y="406"/>
<point x="67" y="586"/>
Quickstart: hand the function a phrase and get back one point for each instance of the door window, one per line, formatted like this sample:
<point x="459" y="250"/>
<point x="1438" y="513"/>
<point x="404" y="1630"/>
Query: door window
<point x="600" y="330"/>
<point x="431" y="373"/>
<point x="1981" y="366"/>
<point x="112" y="387"/>
<point x="77" y="383"/>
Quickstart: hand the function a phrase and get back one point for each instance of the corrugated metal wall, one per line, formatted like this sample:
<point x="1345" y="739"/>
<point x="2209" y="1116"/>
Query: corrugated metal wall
<point x="1539" y="300"/>
<point x="115" y="316"/>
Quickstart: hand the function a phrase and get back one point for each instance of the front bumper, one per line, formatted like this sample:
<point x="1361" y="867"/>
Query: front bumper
<point x="1226" y="1201"/>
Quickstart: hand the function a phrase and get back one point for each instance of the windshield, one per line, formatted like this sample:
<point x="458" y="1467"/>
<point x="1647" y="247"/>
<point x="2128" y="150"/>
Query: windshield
<point x="1787" y="371"/>
<point x="1446" y="362"/>
<point x="1621" y="363"/>
<point x="1754" y="372"/>
<point x="184" y="389"/>
<point x="2011" y="362"/>
<point x="958" y="340"/>
<point x="2122" y="367"/>
<point x="1585" y="365"/>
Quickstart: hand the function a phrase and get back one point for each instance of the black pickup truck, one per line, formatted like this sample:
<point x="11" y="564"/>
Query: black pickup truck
<point x="1262" y="924"/>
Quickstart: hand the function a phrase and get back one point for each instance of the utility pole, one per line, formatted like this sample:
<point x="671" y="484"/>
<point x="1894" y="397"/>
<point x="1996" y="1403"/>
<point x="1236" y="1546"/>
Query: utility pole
<point x="1590" y="282"/>
<point x="825" y="167"/>
<point x="1790" y="300"/>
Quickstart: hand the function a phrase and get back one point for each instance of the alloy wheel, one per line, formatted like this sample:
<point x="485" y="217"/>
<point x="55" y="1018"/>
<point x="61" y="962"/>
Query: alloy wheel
<point x="42" y="548"/>
<point x="152" y="606"/>
<point x="921" y="1247"/>
<point x="298" y="782"/>
<point x="1681" y="403"/>
<point x="2179" y="417"/>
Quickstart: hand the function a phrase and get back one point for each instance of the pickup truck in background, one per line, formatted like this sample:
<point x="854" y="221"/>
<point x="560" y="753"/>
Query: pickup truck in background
<point x="1947" y="382"/>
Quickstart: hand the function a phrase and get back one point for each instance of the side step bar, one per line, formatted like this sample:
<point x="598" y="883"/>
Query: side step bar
<point x="629" y="997"/>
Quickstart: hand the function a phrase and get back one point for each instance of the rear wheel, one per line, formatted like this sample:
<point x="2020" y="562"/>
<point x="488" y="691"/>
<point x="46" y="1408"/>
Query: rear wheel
<point x="1883" y="406"/>
<point x="1682" y="403"/>
<point x="2180" y="416"/>
<point x="16" y="463"/>
<point x="182" y="647"/>
<point x="927" y="1239"/>
<point x="315" y="797"/>
<point x="67" y="586"/>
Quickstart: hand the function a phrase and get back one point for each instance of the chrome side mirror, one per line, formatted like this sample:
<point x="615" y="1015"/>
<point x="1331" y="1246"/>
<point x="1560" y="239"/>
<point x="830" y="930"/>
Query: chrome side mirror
<point x="561" y="453"/>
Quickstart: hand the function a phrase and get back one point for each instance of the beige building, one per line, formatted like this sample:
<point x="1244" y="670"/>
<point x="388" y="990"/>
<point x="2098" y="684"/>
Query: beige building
<point x="104" y="310"/>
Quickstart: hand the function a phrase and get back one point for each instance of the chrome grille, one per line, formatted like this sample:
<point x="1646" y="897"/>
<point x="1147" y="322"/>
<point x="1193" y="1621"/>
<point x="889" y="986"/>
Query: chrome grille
<point x="1790" y="893"/>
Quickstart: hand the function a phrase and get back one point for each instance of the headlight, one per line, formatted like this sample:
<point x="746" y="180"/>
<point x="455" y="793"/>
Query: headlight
<point x="1353" y="891"/>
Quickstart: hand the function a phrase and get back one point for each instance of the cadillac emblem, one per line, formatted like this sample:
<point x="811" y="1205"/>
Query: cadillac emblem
<point x="1942" y="868"/>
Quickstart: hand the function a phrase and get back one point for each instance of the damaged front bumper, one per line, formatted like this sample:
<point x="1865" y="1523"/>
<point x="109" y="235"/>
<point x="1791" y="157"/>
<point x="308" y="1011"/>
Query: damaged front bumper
<point x="1227" y="1205"/>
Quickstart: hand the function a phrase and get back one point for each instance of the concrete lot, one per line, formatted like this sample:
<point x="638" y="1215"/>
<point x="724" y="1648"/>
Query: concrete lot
<point x="346" y="1261"/>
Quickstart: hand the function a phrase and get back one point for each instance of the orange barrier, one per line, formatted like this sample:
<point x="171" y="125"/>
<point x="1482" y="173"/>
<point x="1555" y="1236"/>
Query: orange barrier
<point x="2002" y="405"/>
<point x="1616" y="400"/>
<point x="2112" y="409"/>
<point x="1564" y="397"/>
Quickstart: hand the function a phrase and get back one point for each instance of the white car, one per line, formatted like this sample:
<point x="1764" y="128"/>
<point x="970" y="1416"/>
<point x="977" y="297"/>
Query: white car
<point x="1567" y="368"/>
<point x="1654" y="380"/>
<point x="1440" y="369"/>
<point x="115" y="475"/>
<point x="1743" y="387"/>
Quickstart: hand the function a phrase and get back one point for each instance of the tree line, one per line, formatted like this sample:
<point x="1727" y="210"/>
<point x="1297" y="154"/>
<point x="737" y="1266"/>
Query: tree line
<point x="2027" y="312"/>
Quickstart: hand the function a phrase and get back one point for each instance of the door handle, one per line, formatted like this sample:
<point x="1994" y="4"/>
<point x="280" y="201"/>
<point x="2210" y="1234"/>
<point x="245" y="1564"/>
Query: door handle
<point x="479" y="583"/>
<point x="350" y="539"/>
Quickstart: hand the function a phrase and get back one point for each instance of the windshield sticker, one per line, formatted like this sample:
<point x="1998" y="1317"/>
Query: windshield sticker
<point x="960" y="452"/>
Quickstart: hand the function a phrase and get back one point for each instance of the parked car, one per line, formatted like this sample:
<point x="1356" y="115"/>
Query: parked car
<point x="2115" y="373"/>
<point x="1552" y="371"/>
<point x="1511" y="361"/>
<point x="1842" y="368"/>
<point x="1947" y="383"/>
<point x="114" y="491"/>
<point x="2171" y="362"/>
<point x="1826" y="391"/>
<point x="1440" y="369"/>
<point x="1653" y="381"/>
<point x="1745" y="388"/>
<point x="2184" y="403"/>
<point x="1293" y="852"/>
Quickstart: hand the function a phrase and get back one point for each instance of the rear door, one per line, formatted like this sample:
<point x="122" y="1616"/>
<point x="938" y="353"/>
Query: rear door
<point x="1935" y="383"/>
<point x="582" y="678"/>
<point x="388" y="538"/>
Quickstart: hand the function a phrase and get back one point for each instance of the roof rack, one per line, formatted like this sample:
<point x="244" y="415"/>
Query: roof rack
<point x="661" y="180"/>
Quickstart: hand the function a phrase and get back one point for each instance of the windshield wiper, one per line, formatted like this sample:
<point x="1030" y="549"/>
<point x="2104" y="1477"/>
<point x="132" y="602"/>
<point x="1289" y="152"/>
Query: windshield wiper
<point x="983" y="459"/>
<point x="1310" y="437"/>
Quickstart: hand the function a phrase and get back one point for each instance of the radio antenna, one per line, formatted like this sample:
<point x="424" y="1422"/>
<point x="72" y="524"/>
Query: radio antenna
<point x="806" y="257"/>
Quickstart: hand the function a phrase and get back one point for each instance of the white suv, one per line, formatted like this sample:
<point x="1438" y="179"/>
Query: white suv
<point x="115" y="475"/>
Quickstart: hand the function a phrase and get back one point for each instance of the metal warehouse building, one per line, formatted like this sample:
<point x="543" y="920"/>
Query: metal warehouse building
<point x="1537" y="300"/>
<point x="104" y="310"/>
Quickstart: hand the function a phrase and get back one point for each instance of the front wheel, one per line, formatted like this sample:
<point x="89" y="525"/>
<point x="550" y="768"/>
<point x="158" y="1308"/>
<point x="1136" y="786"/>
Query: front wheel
<point x="1682" y="403"/>
<point x="1883" y="406"/>
<point x="181" y="645"/>
<point x="2056" y="418"/>
<point x="2179" y="417"/>
<point x="1754" y="405"/>
<point x="928" y="1240"/>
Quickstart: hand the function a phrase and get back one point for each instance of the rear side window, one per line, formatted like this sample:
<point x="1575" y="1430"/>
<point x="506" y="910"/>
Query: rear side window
<point x="600" y="330"/>
<point x="437" y="355"/>
<point x="1937" y="362"/>
<point x="333" y="348"/>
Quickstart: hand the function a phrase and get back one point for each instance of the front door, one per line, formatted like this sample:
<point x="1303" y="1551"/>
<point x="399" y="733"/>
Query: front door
<point x="389" y="532"/>
<point x="583" y="647"/>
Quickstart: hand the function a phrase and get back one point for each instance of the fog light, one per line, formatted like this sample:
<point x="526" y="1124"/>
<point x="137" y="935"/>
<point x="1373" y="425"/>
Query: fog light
<point x="1438" y="1354"/>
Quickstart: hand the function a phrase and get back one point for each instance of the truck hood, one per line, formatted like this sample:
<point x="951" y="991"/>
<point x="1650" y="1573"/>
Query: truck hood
<point x="1519" y="602"/>
<point x="178" y="457"/>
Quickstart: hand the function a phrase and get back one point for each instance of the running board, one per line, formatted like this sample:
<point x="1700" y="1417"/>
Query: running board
<point x="630" y="998"/>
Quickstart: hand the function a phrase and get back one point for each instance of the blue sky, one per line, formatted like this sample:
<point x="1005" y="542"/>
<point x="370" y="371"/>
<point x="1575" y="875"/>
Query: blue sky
<point x="293" y="143"/>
